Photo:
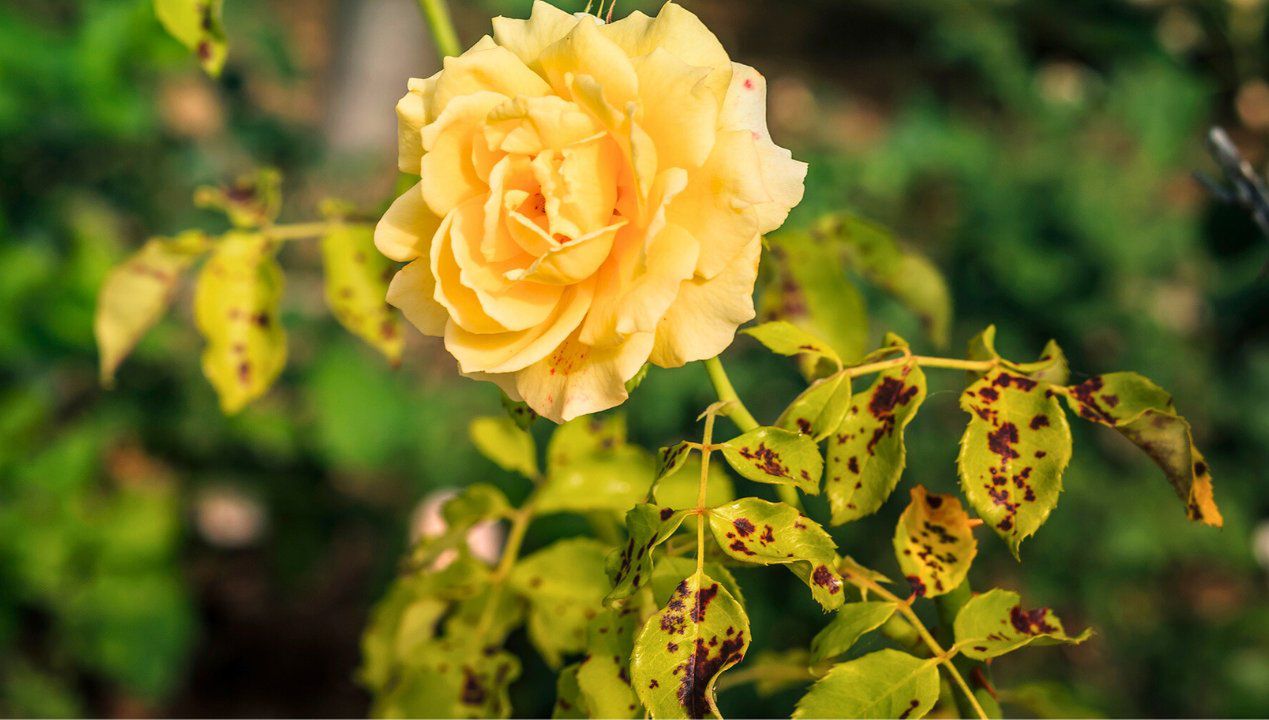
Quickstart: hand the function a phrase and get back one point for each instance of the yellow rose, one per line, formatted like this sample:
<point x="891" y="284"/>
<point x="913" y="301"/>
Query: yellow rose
<point x="592" y="197"/>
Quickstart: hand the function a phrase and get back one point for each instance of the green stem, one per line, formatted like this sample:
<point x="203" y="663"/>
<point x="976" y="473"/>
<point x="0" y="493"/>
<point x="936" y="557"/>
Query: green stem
<point x="441" y="27"/>
<point x="520" y="520"/>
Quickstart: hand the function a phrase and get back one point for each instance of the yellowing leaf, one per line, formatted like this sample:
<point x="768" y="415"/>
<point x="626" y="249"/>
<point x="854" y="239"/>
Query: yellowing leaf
<point x="564" y="585"/>
<point x="820" y="409"/>
<point x="682" y="649"/>
<point x="611" y="479"/>
<point x="671" y="569"/>
<point x="934" y="543"/>
<point x="504" y="443"/>
<point x="851" y="622"/>
<point x="1013" y="453"/>
<point x="884" y="684"/>
<point x="568" y="695"/>
<point x="785" y="338"/>
<point x="810" y="289"/>
<point x="1143" y="413"/>
<point x="866" y="454"/>
<point x="604" y="676"/>
<point x="197" y="25"/>
<point x="453" y="679"/>
<point x="236" y="309"/>
<point x="402" y="622"/>
<point x="776" y="457"/>
<point x="630" y="566"/>
<point x="994" y="623"/>
<point x="251" y="201"/>
<point x="357" y="285"/>
<point x="756" y="531"/>
<point x="137" y="293"/>
<point x="583" y="438"/>
<point x="671" y="459"/>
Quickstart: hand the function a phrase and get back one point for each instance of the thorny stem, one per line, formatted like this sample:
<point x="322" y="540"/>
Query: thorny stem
<point x="441" y="26"/>
<point x="944" y="656"/>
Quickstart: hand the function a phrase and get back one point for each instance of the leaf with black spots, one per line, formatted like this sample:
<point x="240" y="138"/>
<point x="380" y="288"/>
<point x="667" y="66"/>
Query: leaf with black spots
<point x="568" y="696"/>
<point x="357" y="285"/>
<point x="584" y="438"/>
<point x="995" y="623"/>
<point x="630" y="566"/>
<point x="236" y="310"/>
<point x="866" y="454"/>
<point x="137" y="292"/>
<point x="402" y="622"/>
<point x="253" y="200"/>
<point x="884" y="684"/>
<point x="1052" y="367"/>
<point x="851" y="622"/>
<point x="785" y="338"/>
<point x="1143" y="412"/>
<point x="604" y="675"/>
<point x="671" y="569"/>
<point x="198" y="26"/>
<point x="519" y="412"/>
<point x="505" y="444"/>
<point x="934" y="543"/>
<point x="682" y="649"/>
<point x="776" y="457"/>
<point x="564" y="584"/>
<point x="1013" y="453"/>
<point x="454" y="679"/>
<point x="490" y="615"/>
<point x="671" y="459"/>
<point x="820" y="409"/>
<point x="765" y="533"/>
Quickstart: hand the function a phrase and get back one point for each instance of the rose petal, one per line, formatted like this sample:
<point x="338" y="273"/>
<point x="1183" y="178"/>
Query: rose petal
<point x="406" y="230"/>
<point x="703" y="320"/>
<point x="412" y="290"/>
<point x="527" y="38"/>
<point x="513" y="351"/>
<point x="577" y="379"/>
<point x="449" y="176"/>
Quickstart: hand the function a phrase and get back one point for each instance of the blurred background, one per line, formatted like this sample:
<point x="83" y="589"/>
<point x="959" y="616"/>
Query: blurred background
<point x="157" y="558"/>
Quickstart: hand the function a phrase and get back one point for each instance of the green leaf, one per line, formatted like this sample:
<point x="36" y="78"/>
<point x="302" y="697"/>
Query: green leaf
<point x="934" y="543"/>
<point x="564" y="585"/>
<point x="568" y="695"/>
<point x="630" y="566"/>
<point x="1143" y="412"/>
<point x="810" y="289"/>
<point x="519" y="412"/>
<point x="236" y="310"/>
<point x="633" y="383"/>
<point x="609" y="480"/>
<point x="251" y="201"/>
<point x="400" y="624"/>
<point x="756" y="531"/>
<point x="850" y="569"/>
<point x="866" y="454"/>
<point x="1052" y="367"/>
<point x="490" y="615"/>
<point x="1013" y="453"/>
<point x="449" y="678"/>
<point x="884" y="684"/>
<point x="776" y="457"/>
<point x="476" y="503"/>
<point x="671" y="459"/>
<point x="357" y="285"/>
<point x="198" y="26"/>
<point x="907" y="276"/>
<point x="983" y="345"/>
<point x="682" y="649"/>
<point x="505" y="444"/>
<point x="583" y="438"/>
<point x="785" y="338"/>
<point x="852" y="621"/>
<point x="820" y="409"/>
<point x="136" y="293"/>
<point x="604" y="676"/>
<point x="994" y="623"/>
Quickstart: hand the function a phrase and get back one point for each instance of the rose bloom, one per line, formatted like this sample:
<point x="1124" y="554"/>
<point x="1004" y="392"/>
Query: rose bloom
<point x="592" y="197"/>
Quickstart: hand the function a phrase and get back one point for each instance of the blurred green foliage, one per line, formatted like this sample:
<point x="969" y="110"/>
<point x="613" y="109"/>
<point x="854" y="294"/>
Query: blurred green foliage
<point x="1037" y="150"/>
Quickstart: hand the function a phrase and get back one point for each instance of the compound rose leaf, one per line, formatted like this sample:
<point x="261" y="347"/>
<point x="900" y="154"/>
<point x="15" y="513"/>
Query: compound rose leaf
<point x="137" y="292"/>
<point x="1013" y="453"/>
<point x="995" y="623"/>
<point x="236" y="310"/>
<point x="934" y="543"/>
<point x="753" y="530"/>
<point x="777" y="457"/>
<point x="356" y="287"/>
<point x="866" y="453"/>
<point x="1143" y="412"/>
<point x="682" y="649"/>
<point x="884" y="684"/>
